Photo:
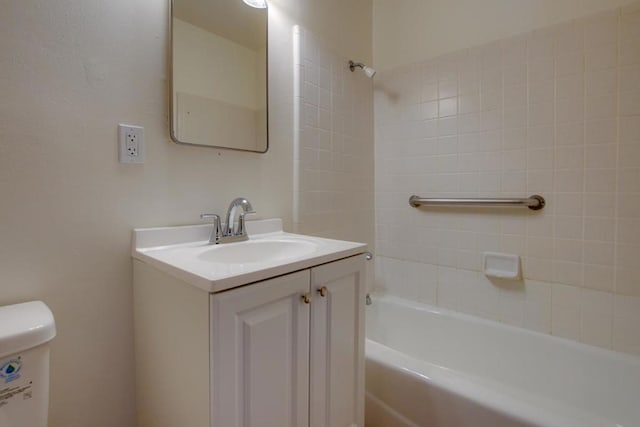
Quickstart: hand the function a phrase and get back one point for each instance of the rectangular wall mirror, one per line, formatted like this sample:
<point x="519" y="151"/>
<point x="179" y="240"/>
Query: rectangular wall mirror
<point x="219" y="74"/>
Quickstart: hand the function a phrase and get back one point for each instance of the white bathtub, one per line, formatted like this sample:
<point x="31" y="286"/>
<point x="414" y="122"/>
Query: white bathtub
<point x="432" y="367"/>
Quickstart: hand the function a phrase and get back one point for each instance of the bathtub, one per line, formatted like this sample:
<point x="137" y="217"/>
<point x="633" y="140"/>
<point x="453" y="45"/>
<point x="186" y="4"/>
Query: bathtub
<point x="432" y="367"/>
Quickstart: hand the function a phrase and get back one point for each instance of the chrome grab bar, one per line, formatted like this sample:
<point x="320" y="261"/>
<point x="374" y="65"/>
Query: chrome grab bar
<point x="534" y="202"/>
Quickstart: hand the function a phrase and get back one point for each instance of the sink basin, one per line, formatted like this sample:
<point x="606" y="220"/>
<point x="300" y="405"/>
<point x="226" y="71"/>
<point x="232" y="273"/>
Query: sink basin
<point x="254" y="251"/>
<point x="184" y="253"/>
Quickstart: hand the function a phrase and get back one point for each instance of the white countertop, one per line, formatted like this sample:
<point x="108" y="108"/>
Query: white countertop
<point x="182" y="252"/>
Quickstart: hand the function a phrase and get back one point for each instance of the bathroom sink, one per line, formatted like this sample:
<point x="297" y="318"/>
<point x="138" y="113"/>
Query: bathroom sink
<point x="184" y="252"/>
<point x="255" y="251"/>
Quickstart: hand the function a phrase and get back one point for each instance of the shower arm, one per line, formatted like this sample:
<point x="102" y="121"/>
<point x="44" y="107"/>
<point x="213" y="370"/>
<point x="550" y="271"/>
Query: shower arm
<point x="353" y="65"/>
<point x="368" y="71"/>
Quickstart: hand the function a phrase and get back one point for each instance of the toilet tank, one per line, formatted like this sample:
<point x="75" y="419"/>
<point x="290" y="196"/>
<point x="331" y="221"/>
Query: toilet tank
<point x="25" y="330"/>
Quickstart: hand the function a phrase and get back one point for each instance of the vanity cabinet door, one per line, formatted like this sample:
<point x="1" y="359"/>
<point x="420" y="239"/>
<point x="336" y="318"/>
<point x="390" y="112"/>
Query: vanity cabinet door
<point x="260" y="354"/>
<point x="337" y="344"/>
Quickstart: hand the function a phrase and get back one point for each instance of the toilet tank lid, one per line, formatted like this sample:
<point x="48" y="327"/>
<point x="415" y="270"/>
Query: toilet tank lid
<point x="24" y="326"/>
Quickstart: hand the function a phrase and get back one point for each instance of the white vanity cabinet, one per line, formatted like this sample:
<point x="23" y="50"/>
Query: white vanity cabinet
<point x="282" y="352"/>
<point x="260" y="354"/>
<point x="280" y="361"/>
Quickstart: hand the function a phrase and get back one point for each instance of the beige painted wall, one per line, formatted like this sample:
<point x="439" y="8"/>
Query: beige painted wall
<point x="406" y="31"/>
<point x="70" y="71"/>
<point x="343" y="25"/>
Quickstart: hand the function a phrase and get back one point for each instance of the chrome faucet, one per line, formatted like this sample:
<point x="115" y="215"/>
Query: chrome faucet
<point x="232" y="230"/>
<point x="216" y="234"/>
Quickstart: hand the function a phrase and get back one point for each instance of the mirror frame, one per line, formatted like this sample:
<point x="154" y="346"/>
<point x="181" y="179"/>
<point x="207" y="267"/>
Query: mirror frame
<point x="172" y="130"/>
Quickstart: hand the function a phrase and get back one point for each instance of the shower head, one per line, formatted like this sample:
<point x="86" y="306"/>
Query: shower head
<point x="370" y="72"/>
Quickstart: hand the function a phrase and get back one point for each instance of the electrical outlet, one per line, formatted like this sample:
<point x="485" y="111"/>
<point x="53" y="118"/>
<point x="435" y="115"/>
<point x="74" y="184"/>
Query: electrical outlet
<point x="131" y="144"/>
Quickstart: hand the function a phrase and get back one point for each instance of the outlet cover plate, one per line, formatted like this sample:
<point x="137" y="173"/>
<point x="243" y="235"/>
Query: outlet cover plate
<point x="131" y="144"/>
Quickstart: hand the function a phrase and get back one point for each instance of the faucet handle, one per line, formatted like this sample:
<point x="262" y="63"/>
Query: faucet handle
<point x="216" y="232"/>
<point x="241" y="223"/>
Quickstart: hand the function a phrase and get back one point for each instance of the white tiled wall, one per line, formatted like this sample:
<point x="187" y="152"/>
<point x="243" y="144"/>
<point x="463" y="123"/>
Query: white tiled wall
<point x="554" y="112"/>
<point x="334" y="148"/>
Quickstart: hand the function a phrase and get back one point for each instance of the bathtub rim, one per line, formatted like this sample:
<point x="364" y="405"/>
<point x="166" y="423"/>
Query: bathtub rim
<point x="479" y="390"/>
<point x="482" y="394"/>
<point x="425" y="306"/>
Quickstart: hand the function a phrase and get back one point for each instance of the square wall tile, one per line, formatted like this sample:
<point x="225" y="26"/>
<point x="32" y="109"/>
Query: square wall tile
<point x="537" y="315"/>
<point x="538" y="269"/>
<point x="601" y="156"/>
<point x="599" y="277"/>
<point x="602" y="253"/>
<point x="629" y="52"/>
<point x="601" y="107"/>
<point x="597" y="318"/>
<point x="630" y="21"/>
<point x="601" y="57"/>
<point x="626" y="281"/>
<point x="569" y="180"/>
<point x="540" y="45"/>
<point x="568" y="227"/>
<point x="565" y="312"/>
<point x="628" y="231"/>
<point x="567" y="272"/>
<point x="601" y="29"/>
<point x="599" y="229"/>
<point x="630" y="129"/>
<point x="448" y="107"/>
<point x="626" y="336"/>
<point x="600" y="180"/>
<point x="569" y="85"/>
<point x="602" y="82"/>
<point x="630" y="103"/>
<point x="630" y="78"/>
<point x="570" y="110"/>
<point x="571" y="204"/>
<point x="570" y="64"/>
<point x="600" y="204"/>
<point x="601" y="131"/>
<point x="569" y="38"/>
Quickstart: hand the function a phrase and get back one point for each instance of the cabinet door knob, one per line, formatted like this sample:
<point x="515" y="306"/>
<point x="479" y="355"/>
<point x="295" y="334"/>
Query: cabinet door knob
<point x="306" y="298"/>
<point x="323" y="291"/>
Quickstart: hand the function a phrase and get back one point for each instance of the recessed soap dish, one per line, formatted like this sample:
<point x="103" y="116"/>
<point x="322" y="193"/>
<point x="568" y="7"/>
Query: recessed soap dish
<point x="502" y="266"/>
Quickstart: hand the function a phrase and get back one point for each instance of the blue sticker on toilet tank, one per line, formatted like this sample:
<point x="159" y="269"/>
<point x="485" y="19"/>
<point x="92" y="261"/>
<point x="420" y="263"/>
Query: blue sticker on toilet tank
<point x="10" y="371"/>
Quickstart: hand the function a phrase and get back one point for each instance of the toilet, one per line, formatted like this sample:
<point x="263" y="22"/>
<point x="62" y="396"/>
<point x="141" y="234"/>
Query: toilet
<point x="25" y="331"/>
